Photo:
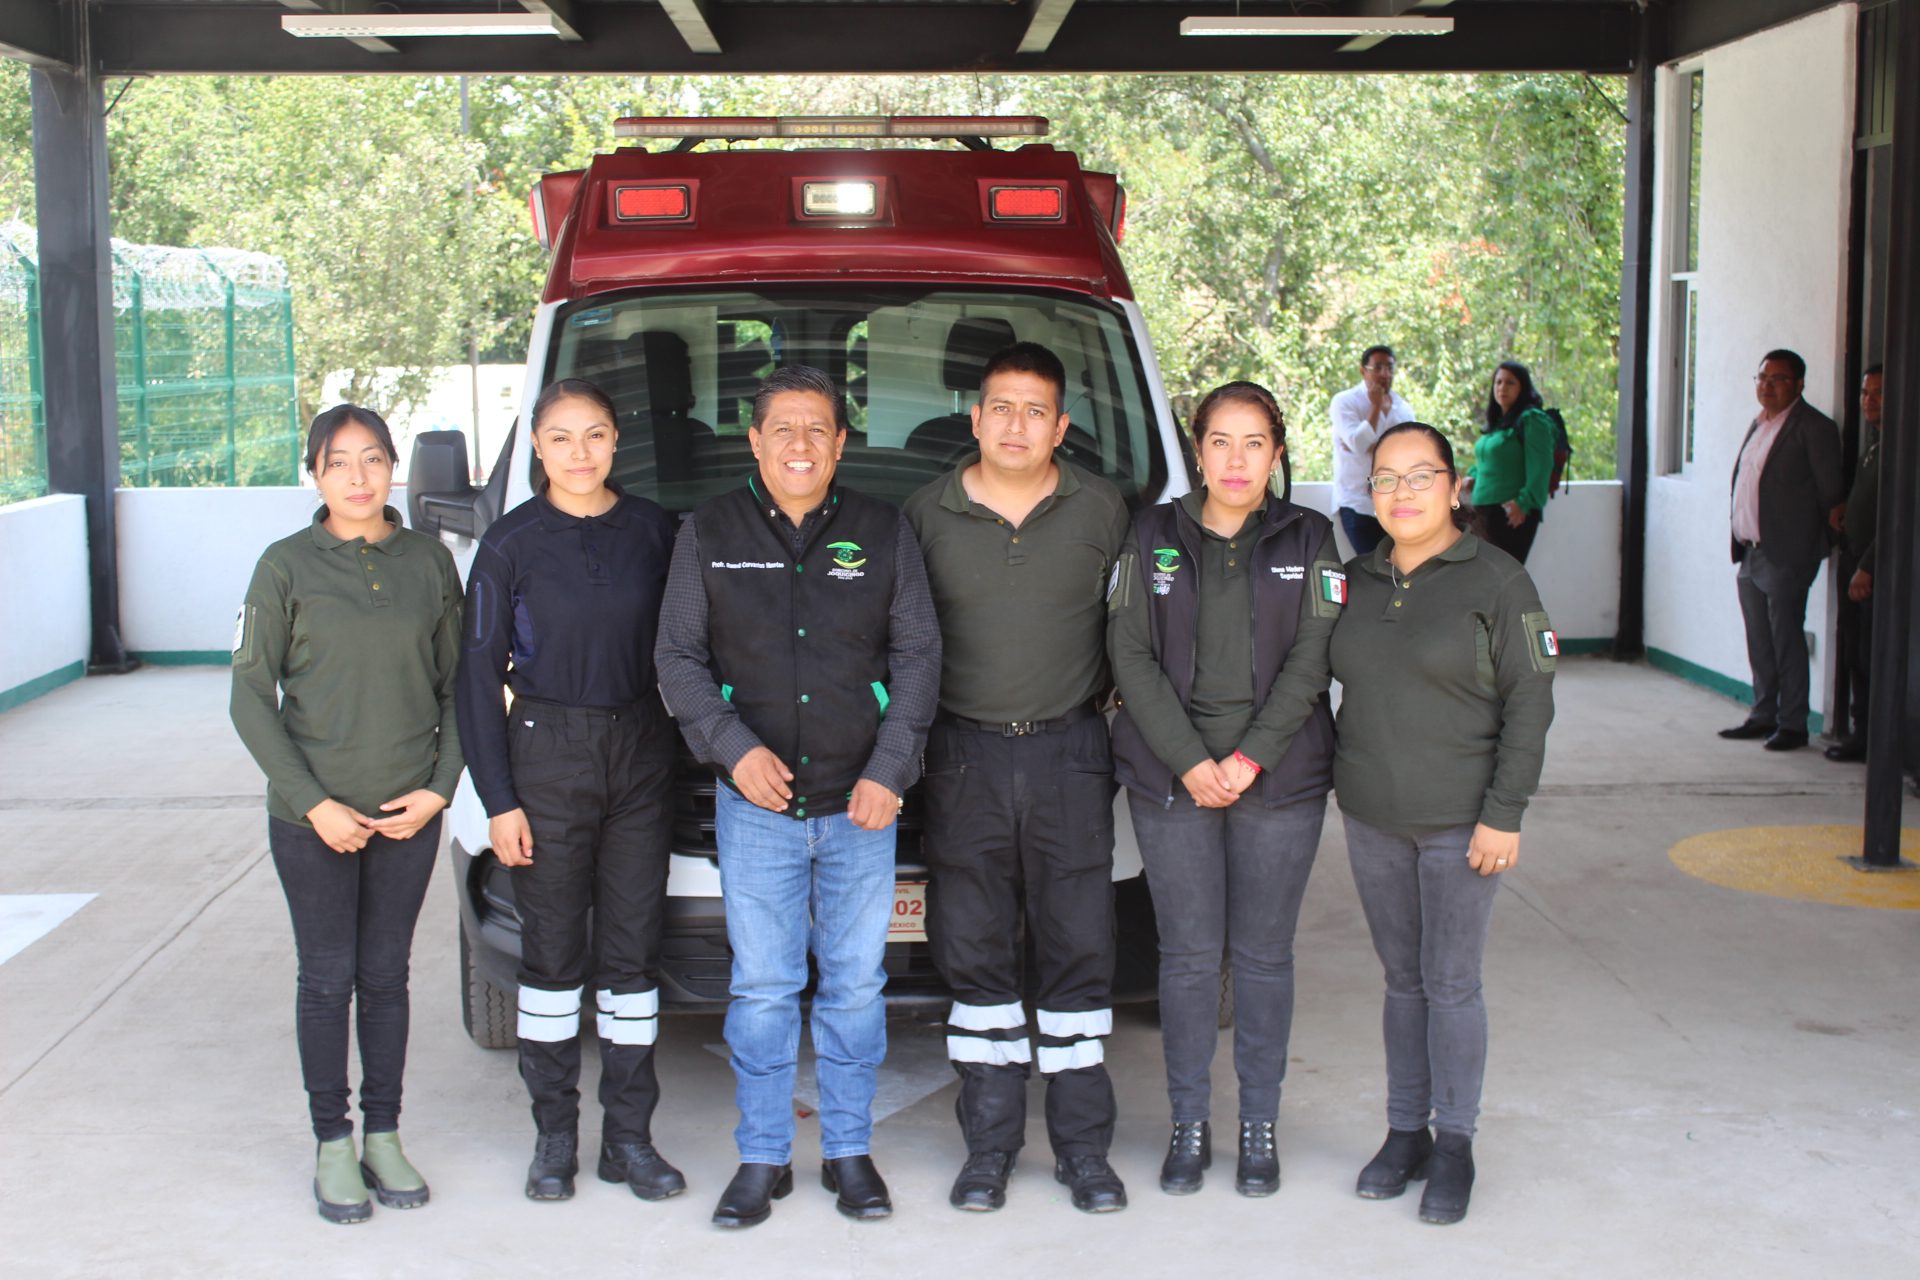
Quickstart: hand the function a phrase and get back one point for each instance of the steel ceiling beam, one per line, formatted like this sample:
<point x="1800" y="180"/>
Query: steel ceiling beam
<point x="1043" y="23"/>
<point x="693" y="19"/>
<point x="37" y="33"/>
<point x="843" y="39"/>
<point x="1387" y="9"/>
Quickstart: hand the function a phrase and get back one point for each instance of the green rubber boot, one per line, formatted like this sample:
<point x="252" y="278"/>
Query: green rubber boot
<point x="391" y="1175"/>
<point x="337" y="1184"/>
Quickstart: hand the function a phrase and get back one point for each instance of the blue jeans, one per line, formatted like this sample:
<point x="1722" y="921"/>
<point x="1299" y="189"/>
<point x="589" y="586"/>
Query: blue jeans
<point x="793" y="885"/>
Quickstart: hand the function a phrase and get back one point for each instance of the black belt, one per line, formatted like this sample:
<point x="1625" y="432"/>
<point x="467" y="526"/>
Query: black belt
<point x="628" y="711"/>
<point x="1021" y="728"/>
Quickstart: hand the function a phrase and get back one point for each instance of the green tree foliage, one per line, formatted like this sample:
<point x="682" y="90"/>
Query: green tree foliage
<point x="1277" y="224"/>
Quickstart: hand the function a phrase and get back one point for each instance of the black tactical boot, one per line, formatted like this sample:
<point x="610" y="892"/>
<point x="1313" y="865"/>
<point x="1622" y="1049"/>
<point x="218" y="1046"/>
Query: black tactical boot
<point x="1189" y="1155"/>
<point x="556" y="1158"/>
<point x="1259" y="1171"/>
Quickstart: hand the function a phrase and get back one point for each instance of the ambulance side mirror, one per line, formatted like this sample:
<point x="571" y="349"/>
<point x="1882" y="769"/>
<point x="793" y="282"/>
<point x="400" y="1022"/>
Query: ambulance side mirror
<point x="440" y="495"/>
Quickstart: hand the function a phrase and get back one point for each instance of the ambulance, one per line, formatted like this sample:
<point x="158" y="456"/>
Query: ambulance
<point x="897" y="254"/>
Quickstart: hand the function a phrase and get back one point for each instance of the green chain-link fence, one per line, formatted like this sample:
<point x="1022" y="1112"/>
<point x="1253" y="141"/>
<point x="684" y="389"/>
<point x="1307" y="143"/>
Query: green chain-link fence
<point x="203" y="347"/>
<point x="23" y="424"/>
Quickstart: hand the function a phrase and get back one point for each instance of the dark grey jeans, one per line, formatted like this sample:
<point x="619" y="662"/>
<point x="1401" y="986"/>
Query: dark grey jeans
<point x="1428" y="911"/>
<point x="1773" y="605"/>
<point x="1226" y="880"/>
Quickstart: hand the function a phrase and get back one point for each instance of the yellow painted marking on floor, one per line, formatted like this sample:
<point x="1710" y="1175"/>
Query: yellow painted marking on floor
<point x="1802" y="863"/>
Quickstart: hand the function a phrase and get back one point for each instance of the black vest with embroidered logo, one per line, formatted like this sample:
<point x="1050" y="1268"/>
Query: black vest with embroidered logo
<point x="1281" y="571"/>
<point x="798" y="645"/>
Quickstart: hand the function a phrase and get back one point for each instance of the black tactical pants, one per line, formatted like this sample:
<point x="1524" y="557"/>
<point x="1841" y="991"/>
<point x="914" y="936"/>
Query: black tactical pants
<point x="597" y="787"/>
<point x="1013" y="817"/>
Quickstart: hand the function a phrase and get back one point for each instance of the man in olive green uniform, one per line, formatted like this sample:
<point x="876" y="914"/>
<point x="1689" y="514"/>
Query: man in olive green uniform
<point x="1856" y="518"/>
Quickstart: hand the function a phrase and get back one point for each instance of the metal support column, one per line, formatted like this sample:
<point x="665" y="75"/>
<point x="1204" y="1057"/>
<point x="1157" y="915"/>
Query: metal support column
<point x="76" y="317"/>
<point x="1896" y="642"/>
<point x="1636" y="302"/>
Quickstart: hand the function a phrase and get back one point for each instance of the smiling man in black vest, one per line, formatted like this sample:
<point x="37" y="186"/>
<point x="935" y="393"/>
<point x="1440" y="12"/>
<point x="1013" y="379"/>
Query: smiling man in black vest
<point x="798" y="649"/>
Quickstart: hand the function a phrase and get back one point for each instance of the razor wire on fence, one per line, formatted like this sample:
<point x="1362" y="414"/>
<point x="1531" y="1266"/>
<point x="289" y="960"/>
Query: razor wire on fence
<point x="203" y="355"/>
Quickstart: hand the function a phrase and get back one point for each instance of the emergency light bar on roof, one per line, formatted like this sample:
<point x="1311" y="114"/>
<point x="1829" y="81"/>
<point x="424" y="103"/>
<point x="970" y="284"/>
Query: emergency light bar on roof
<point x="740" y="127"/>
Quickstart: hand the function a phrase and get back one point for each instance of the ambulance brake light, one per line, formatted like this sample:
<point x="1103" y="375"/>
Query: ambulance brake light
<point x="1026" y="204"/>
<point x="651" y="204"/>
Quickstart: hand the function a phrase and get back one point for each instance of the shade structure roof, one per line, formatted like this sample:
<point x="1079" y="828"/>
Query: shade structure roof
<point x="134" y="37"/>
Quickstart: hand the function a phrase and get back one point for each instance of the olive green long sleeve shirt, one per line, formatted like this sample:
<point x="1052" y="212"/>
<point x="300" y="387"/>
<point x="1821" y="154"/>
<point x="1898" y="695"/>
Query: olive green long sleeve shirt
<point x="1446" y="680"/>
<point x="344" y="657"/>
<point x="1221" y="718"/>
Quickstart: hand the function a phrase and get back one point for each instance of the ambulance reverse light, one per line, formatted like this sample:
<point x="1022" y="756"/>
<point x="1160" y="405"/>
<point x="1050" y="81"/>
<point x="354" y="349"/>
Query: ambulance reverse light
<point x="837" y="199"/>
<point x="1026" y="204"/>
<point x="648" y="204"/>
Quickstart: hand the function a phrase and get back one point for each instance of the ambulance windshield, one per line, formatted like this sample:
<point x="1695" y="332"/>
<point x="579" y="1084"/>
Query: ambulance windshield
<point x="682" y="369"/>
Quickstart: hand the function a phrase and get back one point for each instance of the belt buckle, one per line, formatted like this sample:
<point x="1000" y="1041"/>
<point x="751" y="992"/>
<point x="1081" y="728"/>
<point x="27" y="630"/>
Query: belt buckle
<point x="1020" y="729"/>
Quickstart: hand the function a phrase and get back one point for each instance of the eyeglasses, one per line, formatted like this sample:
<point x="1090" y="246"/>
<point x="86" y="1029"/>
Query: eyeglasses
<point x="1418" y="481"/>
<point x="1379" y="366"/>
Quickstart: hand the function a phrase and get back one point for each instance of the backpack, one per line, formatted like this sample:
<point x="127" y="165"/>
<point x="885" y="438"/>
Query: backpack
<point x="1562" y="450"/>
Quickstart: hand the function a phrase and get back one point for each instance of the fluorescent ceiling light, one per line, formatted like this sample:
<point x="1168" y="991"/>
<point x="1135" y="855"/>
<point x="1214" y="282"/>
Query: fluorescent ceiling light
<point x="1235" y="26"/>
<point x="384" y="26"/>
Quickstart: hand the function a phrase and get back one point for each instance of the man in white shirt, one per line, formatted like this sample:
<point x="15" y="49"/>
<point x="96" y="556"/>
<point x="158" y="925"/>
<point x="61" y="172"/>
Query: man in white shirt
<point x="1360" y="414"/>
<point x="1786" y="479"/>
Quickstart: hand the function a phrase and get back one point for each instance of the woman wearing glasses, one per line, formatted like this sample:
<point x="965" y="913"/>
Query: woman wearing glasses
<point x="1446" y="662"/>
<point x="1512" y="462"/>
<point x="1218" y="622"/>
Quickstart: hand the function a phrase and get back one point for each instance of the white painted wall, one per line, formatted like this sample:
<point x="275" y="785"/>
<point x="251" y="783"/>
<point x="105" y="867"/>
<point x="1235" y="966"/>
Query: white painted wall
<point x="1575" y="559"/>
<point x="1776" y="161"/>
<point x="47" y="619"/>
<point x="186" y="556"/>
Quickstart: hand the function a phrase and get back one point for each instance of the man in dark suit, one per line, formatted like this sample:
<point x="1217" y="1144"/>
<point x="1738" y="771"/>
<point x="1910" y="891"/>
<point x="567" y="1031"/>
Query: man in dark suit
<point x="1785" y="481"/>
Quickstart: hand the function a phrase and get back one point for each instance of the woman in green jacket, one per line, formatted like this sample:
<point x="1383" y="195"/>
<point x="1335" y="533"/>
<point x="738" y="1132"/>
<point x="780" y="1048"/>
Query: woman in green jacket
<point x="1513" y="461"/>
<point x="344" y="657"/>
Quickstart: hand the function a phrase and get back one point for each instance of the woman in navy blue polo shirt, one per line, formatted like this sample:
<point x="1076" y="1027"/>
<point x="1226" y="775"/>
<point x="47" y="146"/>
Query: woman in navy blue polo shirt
<point x="576" y="777"/>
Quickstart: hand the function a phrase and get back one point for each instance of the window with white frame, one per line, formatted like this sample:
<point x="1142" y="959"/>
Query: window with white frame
<point x="1683" y="267"/>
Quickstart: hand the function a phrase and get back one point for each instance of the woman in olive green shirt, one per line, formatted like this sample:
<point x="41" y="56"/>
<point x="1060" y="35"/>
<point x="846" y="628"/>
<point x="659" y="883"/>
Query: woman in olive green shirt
<point x="1512" y="461"/>
<point x="344" y="657"/>
<point x="1446" y="663"/>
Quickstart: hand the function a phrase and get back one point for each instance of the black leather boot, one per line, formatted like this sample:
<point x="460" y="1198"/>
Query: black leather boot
<point x="1096" y="1188"/>
<point x="556" y="1158"/>
<point x="1401" y="1159"/>
<point x="1259" y="1171"/>
<point x="1449" y="1179"/>
<point x="1189" y="1156"/>
<point x="861" y="1191"/>
<point x="638" y="1165"/>
<point x="982" y="1184"/>
<point x="748" y="1199"/>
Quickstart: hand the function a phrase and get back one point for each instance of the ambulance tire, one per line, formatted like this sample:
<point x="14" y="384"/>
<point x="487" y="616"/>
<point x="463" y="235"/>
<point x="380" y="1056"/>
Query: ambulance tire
<point x="489" y="1012"/>
<point x="1226" y="996"/>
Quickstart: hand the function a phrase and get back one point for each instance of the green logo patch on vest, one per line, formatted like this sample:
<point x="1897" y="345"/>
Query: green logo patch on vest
<point x="1166" y="562"/>
<point x="847" y="559"/>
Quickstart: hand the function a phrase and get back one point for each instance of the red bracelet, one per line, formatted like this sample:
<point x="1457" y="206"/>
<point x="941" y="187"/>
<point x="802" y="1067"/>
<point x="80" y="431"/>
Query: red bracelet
<point x="1250" y="763"/>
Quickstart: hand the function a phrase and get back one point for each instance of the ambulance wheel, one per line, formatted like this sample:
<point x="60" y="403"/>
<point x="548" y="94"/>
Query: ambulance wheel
<point x="1226" y="995"/>
<point x="489" y="1012"/>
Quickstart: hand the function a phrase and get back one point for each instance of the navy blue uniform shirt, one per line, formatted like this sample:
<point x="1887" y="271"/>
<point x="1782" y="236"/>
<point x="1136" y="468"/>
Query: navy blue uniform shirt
<point x="561" y="609"/>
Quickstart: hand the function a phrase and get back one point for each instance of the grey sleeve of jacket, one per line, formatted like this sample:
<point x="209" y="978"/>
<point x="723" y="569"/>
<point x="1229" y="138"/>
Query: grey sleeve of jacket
<point x="712" y="728"/>
<point x="913" y="670"/>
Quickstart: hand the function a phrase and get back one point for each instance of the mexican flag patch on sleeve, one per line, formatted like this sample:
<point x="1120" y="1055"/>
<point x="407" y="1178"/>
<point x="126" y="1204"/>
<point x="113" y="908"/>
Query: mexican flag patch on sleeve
<point x="1333" y="586"/>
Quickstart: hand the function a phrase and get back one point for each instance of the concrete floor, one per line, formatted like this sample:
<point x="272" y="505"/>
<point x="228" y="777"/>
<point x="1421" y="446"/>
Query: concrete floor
<point x="1685" y="1080"/>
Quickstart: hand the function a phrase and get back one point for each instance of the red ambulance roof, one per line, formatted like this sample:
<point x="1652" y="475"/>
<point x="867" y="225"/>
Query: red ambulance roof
<point x="745" y="225"/>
